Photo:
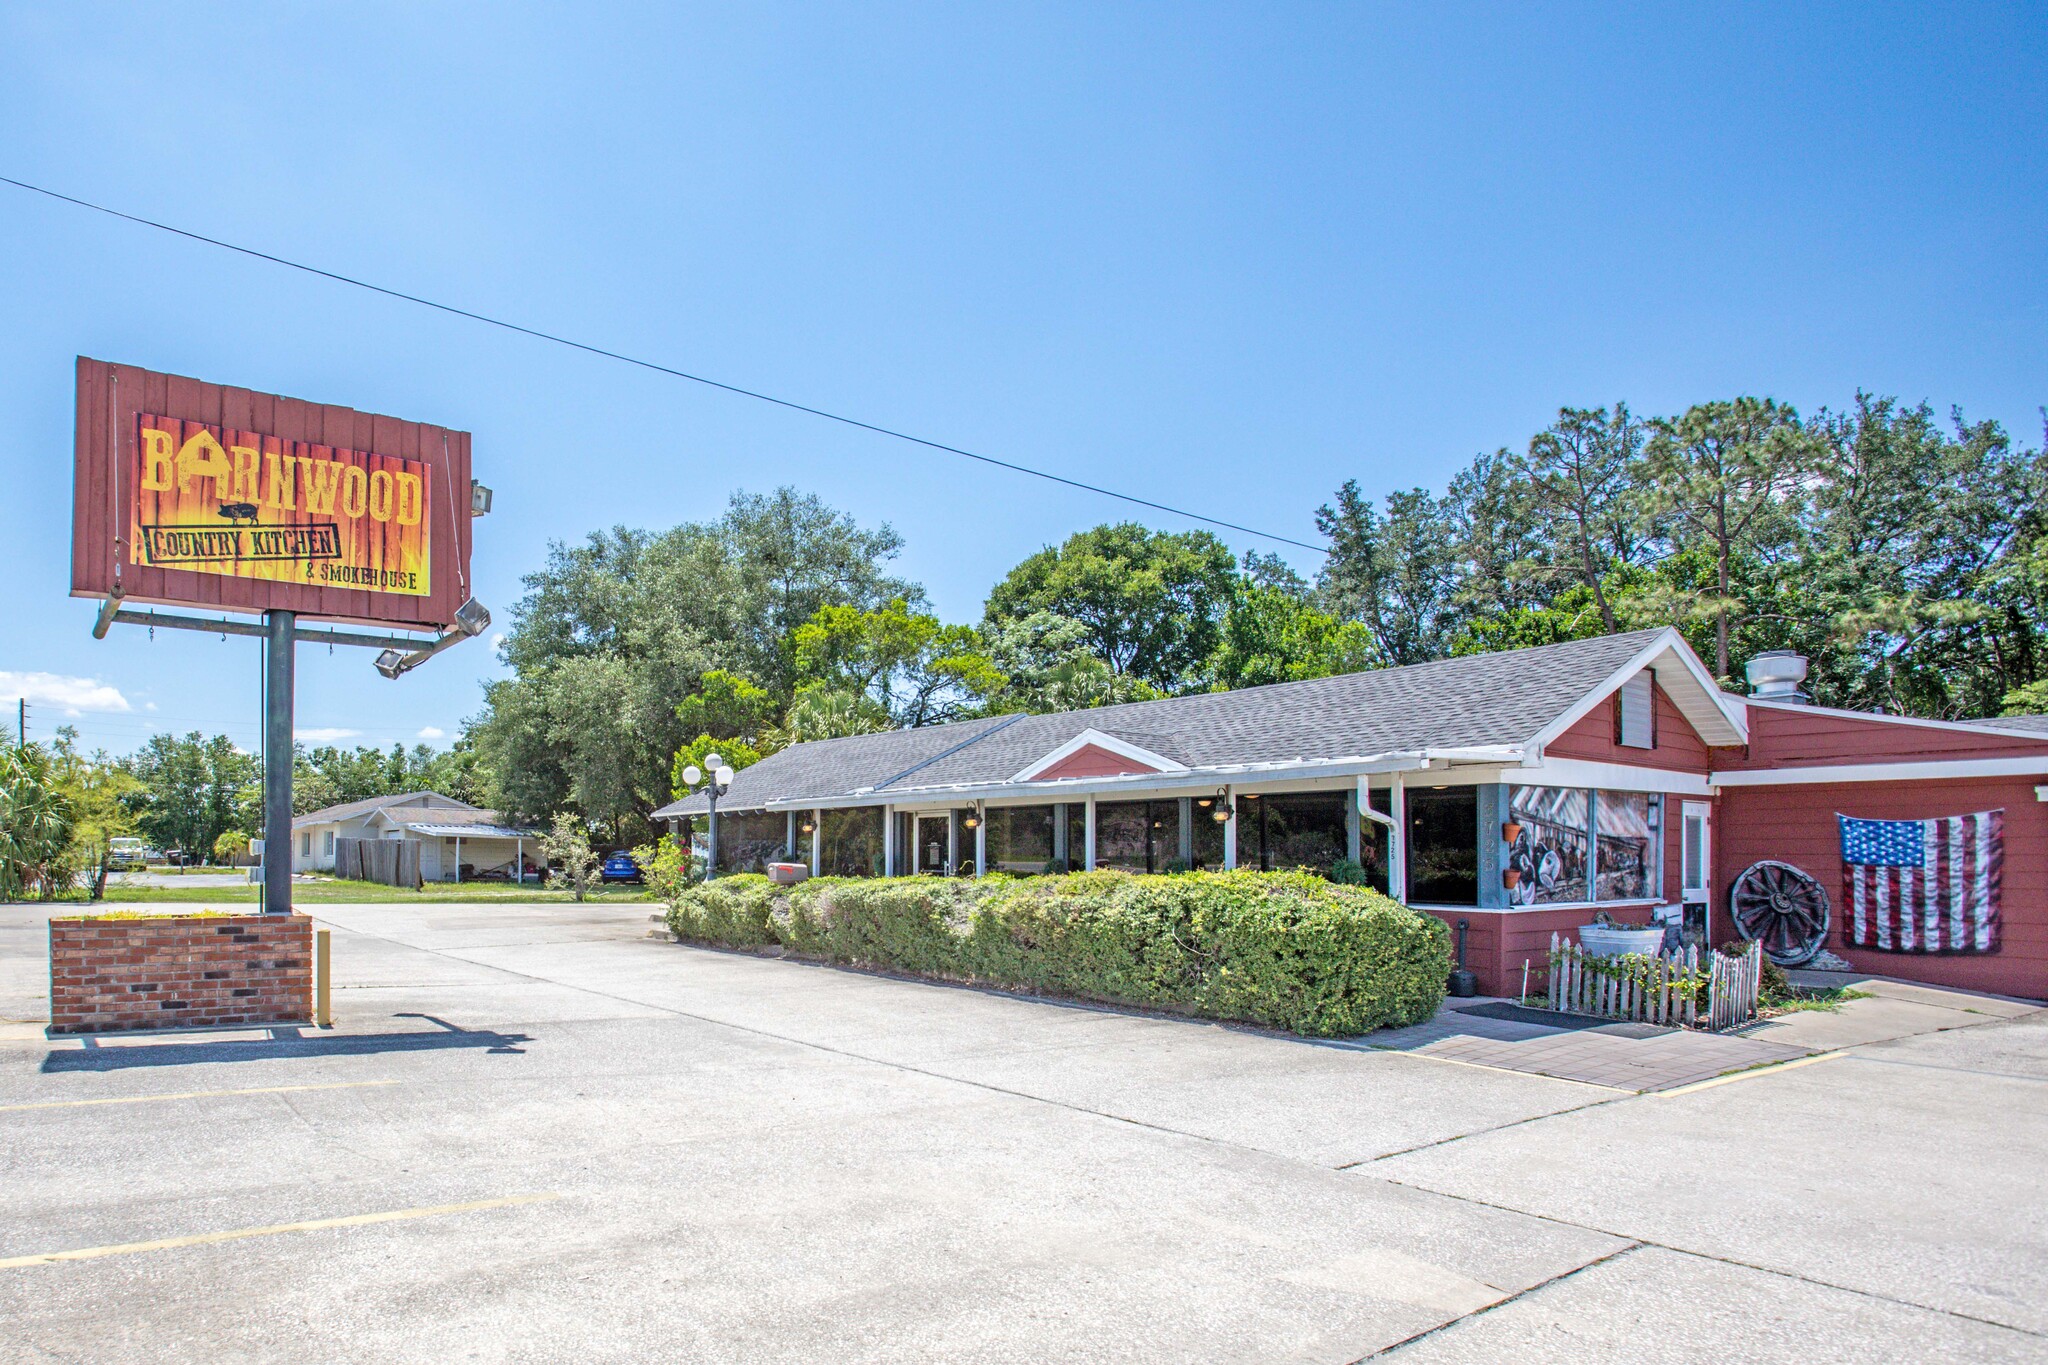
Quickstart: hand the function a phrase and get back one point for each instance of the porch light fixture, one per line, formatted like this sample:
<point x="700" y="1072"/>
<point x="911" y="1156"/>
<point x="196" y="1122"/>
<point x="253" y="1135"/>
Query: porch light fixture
<point x="808" y="827"/>
<point x="973" y="819"/>
<point x="1221" y="815"/>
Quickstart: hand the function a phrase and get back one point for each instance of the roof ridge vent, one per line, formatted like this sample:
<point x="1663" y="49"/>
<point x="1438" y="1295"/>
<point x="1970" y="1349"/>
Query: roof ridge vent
<point x="1775" y="675"/>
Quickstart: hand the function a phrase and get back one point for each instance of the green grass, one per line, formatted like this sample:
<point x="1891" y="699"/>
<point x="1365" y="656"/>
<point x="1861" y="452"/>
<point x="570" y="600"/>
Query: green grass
<point x="329" y="891"/>
<point x="1827" y="999"/>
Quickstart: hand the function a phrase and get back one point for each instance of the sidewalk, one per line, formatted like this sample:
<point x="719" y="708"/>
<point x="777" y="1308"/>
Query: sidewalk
<point x="1645" y="1057"/>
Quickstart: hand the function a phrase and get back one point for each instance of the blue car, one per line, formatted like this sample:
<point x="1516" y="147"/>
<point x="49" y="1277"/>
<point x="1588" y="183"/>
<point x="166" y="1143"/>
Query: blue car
<point x="620" y="867"/>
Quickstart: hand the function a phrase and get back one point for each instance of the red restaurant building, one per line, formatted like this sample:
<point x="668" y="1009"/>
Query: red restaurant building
<point x="1529" y="790"/>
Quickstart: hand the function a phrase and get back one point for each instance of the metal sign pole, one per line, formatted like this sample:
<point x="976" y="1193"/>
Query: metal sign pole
<point x="279" y="647"/>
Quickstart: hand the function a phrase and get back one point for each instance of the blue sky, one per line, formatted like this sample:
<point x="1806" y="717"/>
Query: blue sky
<point x="1220" y="256"/>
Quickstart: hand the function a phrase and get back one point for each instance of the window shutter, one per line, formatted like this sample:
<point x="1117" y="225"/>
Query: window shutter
<point x="1638" y="712"/>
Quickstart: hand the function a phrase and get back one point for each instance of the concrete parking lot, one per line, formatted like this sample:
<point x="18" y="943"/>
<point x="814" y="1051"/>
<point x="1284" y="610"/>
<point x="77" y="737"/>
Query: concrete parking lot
<point x="538" y="1134"/>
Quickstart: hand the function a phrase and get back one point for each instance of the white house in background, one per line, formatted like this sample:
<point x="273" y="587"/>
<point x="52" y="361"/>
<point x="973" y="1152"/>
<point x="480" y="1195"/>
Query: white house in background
<point x="457" y="841"/>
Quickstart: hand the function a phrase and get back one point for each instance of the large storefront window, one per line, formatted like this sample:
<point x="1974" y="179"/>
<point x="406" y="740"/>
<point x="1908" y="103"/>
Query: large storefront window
<point x="1553" y="857"/>
<point x="1138" y="836"/>
<point x="1281" y="833"/>
<point x="1443" y="846"/>
<point x="1374" y="841"/>
<point x="1020" y="839"/>
<point x="850" y="842"/>
<point x="1077" y="837"/>
<point x="1627" y="850"/>
<point x="1546" y="855"/>
<point x="749" y="842"/>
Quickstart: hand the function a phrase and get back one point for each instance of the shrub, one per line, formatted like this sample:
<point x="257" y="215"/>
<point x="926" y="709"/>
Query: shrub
<point x="1350" y="872"/>
<point x="1289" y="950"/>
<point x="665" y="867"/>
<point x="731" y="912"/>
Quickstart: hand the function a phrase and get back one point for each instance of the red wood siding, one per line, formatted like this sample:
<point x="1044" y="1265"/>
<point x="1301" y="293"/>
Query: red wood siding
<point x="1679" y="747"/>
<point x="1092" y="760"/>
<point x="1498" y="942"/>
<point x="1795" y="736"/>
<point x="1796" y="824"/>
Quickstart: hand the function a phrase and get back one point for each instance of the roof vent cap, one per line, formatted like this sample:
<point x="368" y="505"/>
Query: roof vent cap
<point x="1775" y="675"/>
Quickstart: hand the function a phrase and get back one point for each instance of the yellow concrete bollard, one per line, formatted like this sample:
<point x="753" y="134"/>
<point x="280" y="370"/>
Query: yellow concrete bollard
<point x="323" y="965"/>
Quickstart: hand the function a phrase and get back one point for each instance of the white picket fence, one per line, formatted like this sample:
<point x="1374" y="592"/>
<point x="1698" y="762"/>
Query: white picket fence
<point x="1656" y="990"/>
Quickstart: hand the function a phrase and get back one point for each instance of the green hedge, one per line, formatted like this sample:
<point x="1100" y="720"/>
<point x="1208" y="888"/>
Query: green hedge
<point x="1284" y="949"/>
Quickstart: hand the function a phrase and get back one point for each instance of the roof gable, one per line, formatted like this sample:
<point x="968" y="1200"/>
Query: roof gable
<point x="349" y="810"/>
<point x="1716" y="717"/>
<point x="1096" y="753"/>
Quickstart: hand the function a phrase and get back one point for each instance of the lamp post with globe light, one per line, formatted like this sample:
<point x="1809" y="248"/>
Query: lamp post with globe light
<point x="721" y="779"/>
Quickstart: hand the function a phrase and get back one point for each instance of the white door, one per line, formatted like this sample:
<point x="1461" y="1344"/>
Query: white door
<point x="430" y="860"/>
<point x="1696" y="864"/>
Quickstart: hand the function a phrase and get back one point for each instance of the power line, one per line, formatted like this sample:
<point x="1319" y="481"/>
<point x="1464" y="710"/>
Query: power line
<point x="659" y="368"/>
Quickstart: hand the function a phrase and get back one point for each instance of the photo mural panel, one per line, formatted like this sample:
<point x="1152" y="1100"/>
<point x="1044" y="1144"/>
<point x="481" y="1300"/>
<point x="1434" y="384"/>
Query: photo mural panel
<point x="1626" y="863"/>
<point x="1547" y="845"/>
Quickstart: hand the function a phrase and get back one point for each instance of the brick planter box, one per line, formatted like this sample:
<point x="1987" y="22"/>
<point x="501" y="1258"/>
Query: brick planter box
<point x="180" y="971"/>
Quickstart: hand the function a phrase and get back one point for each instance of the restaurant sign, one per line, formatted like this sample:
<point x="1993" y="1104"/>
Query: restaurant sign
<point x="218" y="500"/>
<point x="195" y="494"/>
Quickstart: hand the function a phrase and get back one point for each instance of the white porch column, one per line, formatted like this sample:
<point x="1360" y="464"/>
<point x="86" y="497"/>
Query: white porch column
<point x="1088" y="836"/>
<point x="519" y="861"/>
<point x="888" y="841"/>
<point x="789" y="835"/>
<point x="1230" y="834"/>
<point x="1397" y="847"/>
<point x="458" y="857"/>
<point x="952" y="842"/>
<point x="817" y="842"/>
<point x="981" y="845"/>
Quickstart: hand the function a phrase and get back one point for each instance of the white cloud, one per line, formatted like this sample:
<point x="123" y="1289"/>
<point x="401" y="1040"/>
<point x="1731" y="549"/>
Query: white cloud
<point x="497" y="643"/>
<point x="432" y="732"/>
<point x="148" y="705"/>
<point x="326" y="735"/>
<point x="72" y="696"/>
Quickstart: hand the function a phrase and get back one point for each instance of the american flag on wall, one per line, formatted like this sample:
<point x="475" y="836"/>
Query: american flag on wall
<point x="1923" y="886"/>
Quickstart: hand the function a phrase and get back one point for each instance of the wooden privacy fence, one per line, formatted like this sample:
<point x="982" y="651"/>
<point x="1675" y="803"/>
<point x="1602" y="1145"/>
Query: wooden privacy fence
<point x="394" y="862"/>
<point x="1658" y="990"/>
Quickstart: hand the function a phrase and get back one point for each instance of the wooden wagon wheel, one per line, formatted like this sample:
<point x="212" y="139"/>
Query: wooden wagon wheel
<point x="1781" y="908"/>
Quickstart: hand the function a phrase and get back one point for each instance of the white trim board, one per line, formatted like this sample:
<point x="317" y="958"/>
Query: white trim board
<point x="1931" y="770"/>
<point x="1580" y="772"/>
<point x="1919" y="722"/>
<point x="1632" y="903"/>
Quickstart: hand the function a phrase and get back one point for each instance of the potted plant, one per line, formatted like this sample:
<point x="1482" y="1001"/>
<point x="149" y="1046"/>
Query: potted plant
<point x="1607" y="936"/>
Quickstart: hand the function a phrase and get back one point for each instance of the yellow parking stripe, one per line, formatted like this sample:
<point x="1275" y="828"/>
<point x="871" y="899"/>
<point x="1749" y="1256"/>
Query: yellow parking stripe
<point x="191" y="1095"/>
<point x="355" y="1220"/>
<point x="1751" y="1074"/>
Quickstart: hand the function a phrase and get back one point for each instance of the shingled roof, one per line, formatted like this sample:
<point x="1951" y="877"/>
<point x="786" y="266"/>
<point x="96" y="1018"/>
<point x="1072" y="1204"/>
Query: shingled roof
<point x="1484" y="701"/>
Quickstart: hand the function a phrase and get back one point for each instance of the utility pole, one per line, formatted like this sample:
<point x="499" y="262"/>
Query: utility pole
<point x="21" y="723"/>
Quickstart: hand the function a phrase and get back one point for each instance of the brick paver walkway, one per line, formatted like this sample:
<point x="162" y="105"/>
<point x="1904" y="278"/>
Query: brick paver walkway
<point x="1624" y="1056"/>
